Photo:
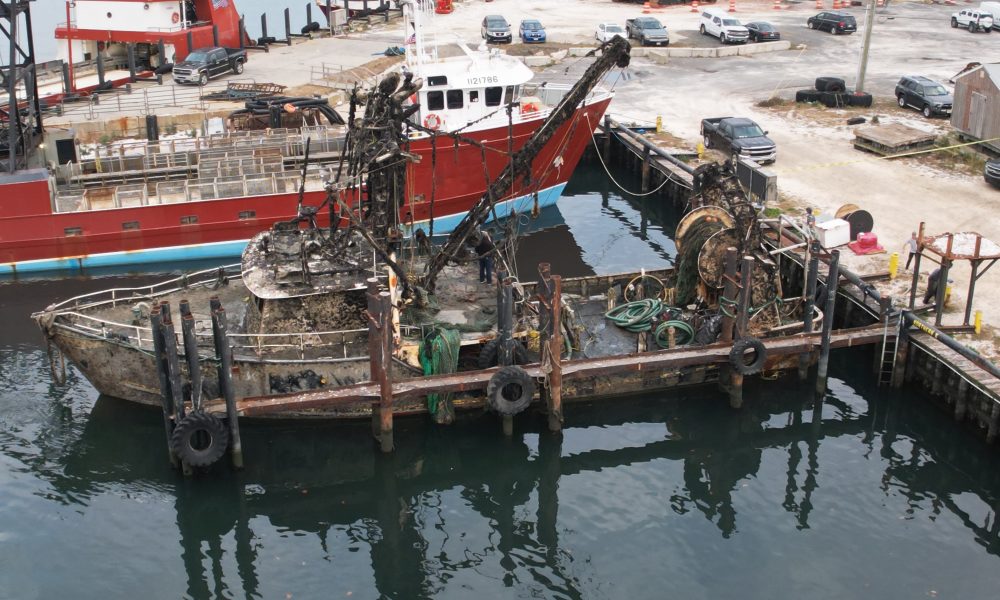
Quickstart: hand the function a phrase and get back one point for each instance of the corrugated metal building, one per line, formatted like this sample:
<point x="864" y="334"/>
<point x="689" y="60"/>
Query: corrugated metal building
<point x="976" y="111"/>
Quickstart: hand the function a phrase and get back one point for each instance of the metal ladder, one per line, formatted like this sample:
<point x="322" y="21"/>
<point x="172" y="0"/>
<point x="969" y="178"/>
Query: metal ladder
<point x="888" y="363"/>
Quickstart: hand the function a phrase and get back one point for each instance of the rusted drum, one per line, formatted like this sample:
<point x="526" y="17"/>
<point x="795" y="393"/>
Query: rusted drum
<point x="705" y="213"/>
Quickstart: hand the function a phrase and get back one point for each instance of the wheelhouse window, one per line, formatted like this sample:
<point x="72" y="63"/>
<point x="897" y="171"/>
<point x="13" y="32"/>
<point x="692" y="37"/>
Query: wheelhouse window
<point x="494" y="95"/>
<point x="247" y="214"/>
<point x="73" y="231"/>
<point x="508" y="95"/>
<point x="473" y="96"/>
<point x="130" y="226"/>
<point x="454" y="98"/>
<point x="435" y="80"/>
<point x="435" y="100"/>
<point x="189" y="220"/>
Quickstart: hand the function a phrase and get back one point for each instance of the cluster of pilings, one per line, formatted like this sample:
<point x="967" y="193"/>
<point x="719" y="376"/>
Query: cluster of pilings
<point x="180" y="401"/>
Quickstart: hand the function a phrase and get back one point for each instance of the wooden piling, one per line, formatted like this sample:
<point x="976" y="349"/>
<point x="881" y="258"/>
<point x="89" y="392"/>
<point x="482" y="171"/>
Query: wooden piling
<point x="961" y="399"/>
<point x="166" y="399"/>
<point x="645" y="169"/>
<point x="832" y="284"/>
<point x="607" y="139"/>
<point x="728" y="302"/>
<point x="173" y="363"/>
<point x="505" y="324"/>
<point x="555" y="356"/>
<point x="191" y="353"/>
<point x="902" y="358"/>
<point x="224" y="354"/>
<point x="994" y="428"/>
<point x="379" y="350"/>
<point x="809" y="303"/>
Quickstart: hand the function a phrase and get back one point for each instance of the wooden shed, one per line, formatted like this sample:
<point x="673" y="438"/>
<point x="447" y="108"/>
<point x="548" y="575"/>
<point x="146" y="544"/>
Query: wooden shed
<point x="976" y="111"/>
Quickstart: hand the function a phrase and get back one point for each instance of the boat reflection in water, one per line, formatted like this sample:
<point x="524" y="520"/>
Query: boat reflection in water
<point x="630" y="485"/>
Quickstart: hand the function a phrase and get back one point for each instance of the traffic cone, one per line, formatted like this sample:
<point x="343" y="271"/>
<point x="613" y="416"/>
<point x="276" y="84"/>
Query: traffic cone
<point x="732" y="5"/>
<point x="836" y="4"/>
<point x="819" y="4"/>
<point x="694" y="6"/>
<point x="777" y="5"/>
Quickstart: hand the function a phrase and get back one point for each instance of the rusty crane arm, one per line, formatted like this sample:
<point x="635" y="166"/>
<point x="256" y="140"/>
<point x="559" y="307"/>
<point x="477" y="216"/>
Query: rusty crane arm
<point x="614" y="53"/>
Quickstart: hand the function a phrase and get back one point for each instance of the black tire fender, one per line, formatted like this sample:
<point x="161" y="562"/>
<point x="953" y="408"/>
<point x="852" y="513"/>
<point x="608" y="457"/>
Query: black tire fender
<point x="738" y="358"/>
<point x="862" y="99"/>
<point x="807" y="96"/>
<point x="187" y="440"/>
<point x="510" y="390"/>
<point x="830" y="84"/>
<point x="491" y="350"/>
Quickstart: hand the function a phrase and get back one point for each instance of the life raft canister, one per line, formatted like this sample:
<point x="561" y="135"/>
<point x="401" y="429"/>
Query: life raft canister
<point x="433" y="121"/>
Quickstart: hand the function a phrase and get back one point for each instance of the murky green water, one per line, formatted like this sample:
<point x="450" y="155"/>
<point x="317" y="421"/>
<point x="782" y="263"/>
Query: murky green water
<point x="867" y="495"/>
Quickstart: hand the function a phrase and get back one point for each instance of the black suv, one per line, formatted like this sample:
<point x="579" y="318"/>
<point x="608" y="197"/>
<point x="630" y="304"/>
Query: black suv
<point x="834" y="22"/>
<point x="923" y="94"/>
<point x="496" y="29"/>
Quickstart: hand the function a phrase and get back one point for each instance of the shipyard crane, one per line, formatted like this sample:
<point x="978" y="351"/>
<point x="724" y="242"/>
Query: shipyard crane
<point x="613" y="53"/>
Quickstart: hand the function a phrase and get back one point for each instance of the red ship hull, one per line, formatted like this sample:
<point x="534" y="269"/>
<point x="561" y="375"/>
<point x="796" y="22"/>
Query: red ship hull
<point x="34" y="238"/>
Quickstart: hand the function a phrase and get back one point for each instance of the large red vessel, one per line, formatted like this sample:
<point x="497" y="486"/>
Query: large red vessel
<point x="204" y="198"/>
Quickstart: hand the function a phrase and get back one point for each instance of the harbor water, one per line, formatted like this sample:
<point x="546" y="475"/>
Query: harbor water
<point x="867" y="494"/>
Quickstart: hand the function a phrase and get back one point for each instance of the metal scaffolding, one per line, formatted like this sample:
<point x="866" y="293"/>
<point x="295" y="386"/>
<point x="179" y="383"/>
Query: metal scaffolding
<point x="20" y="115"/>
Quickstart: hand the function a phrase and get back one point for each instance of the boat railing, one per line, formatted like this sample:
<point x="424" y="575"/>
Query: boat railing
<point x="114" y="296"/>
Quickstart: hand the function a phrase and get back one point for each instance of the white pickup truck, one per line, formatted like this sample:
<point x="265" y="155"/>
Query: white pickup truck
<point x="719" y="24"/>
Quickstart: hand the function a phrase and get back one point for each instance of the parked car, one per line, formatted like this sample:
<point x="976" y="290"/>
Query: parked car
<point x="648" y="31"/>
<point x="992" y="172"/>
<point x="923" y="94"/>
<point x="761" y="31"/>
<point x="496" y="30"/>
<point x="715" y="22"/>
<point x="739" y="137"/>
<point x="531" y="31"/>
<point x="994" y="9"/>
<point x="973" y="19"/>
<point x="205" y="63"/>
<point x="607" y="31"/>
<point x="834" y="22"/>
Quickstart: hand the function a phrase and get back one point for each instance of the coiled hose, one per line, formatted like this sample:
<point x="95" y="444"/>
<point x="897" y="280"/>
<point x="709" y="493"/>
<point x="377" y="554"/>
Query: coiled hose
<point x="637" y="317"/>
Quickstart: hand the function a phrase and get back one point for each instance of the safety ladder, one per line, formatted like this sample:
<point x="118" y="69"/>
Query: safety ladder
<point x="888" y="363"/>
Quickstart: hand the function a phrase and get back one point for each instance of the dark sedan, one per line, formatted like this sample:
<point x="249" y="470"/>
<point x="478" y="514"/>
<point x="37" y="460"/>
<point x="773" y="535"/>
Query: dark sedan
<point x="992" y="173"/>
<point x="496" y="30"/>
<point x="834" y="22"/>
<point x="761" y="31"/>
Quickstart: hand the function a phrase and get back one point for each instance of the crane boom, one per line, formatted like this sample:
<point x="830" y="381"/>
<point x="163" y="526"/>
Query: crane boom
<point x="613" y="53"/>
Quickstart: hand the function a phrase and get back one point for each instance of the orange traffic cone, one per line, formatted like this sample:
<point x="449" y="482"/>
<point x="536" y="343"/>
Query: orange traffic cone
<point x="694" y="6"/>
<point x="777" y="5"/>
<point x="819" y="4"/>
<point x="732" y="5"/>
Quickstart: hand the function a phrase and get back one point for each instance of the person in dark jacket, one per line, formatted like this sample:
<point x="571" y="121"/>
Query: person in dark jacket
<point x="932" y="286"/>
<point x="484" y="247"/>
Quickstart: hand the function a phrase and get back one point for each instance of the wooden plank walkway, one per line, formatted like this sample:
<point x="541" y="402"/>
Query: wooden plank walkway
<point x="577" y="369"/>
<point x="982" y="379"/>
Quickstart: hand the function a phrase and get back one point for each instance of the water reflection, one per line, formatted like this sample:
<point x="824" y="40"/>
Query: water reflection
<point x="460" y="503"/>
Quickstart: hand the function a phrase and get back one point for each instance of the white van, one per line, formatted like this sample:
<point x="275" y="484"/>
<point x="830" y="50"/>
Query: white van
<point x="716" y="22"/>
<point x="994" y="9"/>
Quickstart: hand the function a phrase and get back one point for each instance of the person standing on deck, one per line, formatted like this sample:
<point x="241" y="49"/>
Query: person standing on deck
<point x="911" y="246"/>
<point x="483" y="244"/>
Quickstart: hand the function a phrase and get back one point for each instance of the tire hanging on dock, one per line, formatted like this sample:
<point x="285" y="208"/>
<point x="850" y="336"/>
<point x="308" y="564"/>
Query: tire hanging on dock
<point x="510" y="391"/>
<point x="200" y="439"/>
<point x="738" y="356"/>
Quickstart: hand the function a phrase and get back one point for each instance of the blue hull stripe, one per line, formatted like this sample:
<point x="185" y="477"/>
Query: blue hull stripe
<point x="224" y="250"/>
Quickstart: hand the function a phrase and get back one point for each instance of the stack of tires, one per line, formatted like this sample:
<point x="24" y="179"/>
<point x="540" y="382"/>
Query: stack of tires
<point x="832" y="92"/>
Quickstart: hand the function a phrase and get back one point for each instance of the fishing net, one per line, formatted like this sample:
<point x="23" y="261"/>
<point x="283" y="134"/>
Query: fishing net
<point x="687" y="265"/>
<point x="439" y="354"/>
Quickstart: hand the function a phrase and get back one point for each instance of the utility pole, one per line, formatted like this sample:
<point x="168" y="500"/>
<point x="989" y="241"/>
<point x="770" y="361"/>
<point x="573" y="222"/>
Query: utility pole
<point x="869" y="21"/>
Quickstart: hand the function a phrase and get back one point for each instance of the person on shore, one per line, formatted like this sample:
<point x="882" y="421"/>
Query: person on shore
<point x="911" y="247"/>
<point x="932" y="286"/>
<point x="484" y="247"/>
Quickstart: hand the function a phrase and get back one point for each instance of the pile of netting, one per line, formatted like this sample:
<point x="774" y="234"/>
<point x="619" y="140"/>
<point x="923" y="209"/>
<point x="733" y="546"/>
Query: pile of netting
<point x="438" y="355"/>
<point x="652" y="315"/>
<point x="686" y="290"/>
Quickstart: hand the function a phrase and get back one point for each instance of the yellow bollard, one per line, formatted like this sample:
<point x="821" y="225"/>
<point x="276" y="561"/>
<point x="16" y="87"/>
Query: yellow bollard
<point x="659" y="123"/>
<point x="701" y="150"/>
<point x="893" y="265"/>
<point x="978" y="322"/>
